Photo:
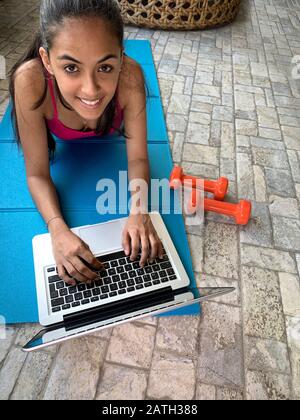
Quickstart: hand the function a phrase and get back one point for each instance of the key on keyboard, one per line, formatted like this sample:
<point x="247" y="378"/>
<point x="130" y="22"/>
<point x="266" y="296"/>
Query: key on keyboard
<point x="121" y="276"/>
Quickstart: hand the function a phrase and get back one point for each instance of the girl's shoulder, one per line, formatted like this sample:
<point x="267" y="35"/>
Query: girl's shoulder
<point x="30" y="77"/>
<point x="131" y="79"/>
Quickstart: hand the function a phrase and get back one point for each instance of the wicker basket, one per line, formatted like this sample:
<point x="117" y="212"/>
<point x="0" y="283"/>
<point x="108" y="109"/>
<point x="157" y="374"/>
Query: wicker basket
<point x="179" y="14"/>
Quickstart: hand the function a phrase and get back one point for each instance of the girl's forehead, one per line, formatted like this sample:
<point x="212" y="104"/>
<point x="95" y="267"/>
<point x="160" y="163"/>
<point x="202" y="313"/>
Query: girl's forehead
<point x="86" y="34"/>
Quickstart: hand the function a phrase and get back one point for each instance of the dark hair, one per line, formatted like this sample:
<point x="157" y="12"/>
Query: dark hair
<point x="52" y="15"/>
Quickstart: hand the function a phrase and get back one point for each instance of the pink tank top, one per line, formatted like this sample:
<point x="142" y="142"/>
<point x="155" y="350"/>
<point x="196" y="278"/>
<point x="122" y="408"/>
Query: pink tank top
<point x="65" y="133"/>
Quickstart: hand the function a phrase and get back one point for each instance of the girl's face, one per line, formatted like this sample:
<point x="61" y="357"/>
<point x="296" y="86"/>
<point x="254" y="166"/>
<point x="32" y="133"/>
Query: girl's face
<point x="86" y="61"/>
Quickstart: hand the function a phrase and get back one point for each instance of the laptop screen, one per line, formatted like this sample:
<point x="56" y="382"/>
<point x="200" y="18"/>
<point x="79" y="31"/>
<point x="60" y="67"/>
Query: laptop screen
<point x="110" y="316"/>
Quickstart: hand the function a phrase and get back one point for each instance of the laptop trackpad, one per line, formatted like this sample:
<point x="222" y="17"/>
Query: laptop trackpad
<point x="103" y="237"/>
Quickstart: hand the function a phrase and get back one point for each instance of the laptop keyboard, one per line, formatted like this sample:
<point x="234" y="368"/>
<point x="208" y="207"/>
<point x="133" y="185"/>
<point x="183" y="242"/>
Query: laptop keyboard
<point x="120" y="277"/>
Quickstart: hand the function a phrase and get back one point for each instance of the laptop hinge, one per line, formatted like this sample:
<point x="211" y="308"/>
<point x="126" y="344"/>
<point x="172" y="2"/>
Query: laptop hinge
<point x="118" y="308"/>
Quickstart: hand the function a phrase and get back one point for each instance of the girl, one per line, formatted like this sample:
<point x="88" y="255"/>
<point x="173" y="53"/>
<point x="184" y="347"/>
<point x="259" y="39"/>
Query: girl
<point x="75" y="81"/>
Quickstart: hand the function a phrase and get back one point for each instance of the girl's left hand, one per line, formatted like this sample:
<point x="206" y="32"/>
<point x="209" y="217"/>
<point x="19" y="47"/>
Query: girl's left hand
<point x="139" y="228"/>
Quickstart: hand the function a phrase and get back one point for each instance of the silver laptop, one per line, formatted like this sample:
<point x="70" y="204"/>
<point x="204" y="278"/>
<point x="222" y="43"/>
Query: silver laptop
<point x="124" y="291"/>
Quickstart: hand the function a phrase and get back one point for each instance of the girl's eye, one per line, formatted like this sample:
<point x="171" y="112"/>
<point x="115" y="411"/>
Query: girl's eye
<point x="71" y="69"/>
<point x="105" y="69"/>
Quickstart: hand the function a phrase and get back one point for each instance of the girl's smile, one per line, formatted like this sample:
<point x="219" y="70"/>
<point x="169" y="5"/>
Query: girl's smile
<point x="88" y="104"/>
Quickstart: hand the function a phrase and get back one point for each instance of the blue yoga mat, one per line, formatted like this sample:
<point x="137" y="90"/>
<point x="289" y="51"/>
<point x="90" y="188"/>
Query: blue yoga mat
<point x="76" y="171"/>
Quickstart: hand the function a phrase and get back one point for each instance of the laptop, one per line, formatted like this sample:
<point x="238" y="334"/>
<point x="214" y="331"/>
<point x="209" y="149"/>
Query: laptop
<point x="124" y="291"/>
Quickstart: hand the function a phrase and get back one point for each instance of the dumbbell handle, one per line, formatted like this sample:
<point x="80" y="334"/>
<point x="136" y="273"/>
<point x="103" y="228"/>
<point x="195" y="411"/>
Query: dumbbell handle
<point x="194" y="182"/>
<point x="228" y="209"/>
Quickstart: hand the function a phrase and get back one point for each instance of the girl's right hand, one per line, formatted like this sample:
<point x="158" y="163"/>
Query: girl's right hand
<point x="71" y="255"/>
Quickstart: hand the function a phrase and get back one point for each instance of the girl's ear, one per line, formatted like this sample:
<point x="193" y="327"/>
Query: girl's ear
<point x="45" y="59"/>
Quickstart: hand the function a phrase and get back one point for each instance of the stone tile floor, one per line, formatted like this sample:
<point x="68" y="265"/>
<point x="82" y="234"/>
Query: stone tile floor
<point x="231" y="98"/>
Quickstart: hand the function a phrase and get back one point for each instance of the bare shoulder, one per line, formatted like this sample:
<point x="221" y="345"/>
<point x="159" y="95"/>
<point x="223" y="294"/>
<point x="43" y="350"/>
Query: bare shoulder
<point x="30" y="80"/>
<point x="131" y="80"/>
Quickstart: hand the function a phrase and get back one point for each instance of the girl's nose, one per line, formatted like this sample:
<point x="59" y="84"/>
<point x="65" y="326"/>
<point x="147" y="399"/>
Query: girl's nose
<point x="90" y="89"/>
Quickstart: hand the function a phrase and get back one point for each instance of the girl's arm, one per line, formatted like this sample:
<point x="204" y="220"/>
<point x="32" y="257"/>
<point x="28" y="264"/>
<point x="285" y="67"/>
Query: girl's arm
<point x="139" y="228"/>
<point x="135" y="120"/>
<point x="29" y="86"/>
<point x="69" y="250"/>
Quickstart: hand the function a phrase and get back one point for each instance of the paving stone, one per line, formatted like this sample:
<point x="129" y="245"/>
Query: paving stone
<point x="279" y="182"/>
<point x="259" y="69"/>
<point x="205" y="392"/>
<point x="171" y="377"/>
<point x="196" y="245"/>
<point x="227" y="99"/>
<point x="270" y="133"/>
<point x="258" y="231"/>
<point x="122" y="383"/>
<point x="197" y="133"/>
<point x="262" y="143"/>
<point x="221" y="256"/>
<point x="227" y="141"/>
<point x="186" y="70"/>
<point x="31" y="381"/>
<point x="201" y="170"/>
<point x="245" y="178"/>
<point x="271" y="158"/>
<point x="6" y="343"/>
<point x="291" y="137"/>
<point x="267" y="117"/>
<point x="205" y="78"/>
<point x="289" y="121"/>
<point x="267" y="386"/>
<point x="228" y="394"/>
<point x="261" y="292"/>
<point x="242" y="141"/>
<point x="295" y="164"/>
<point x="242" y="77"/>
<point x="227" y="168"/>
<point x="259" y="184"/>
<point x="244" y="101"/>
<point x="179" y="337"/>
<point x="178" y="147"/>
<point x="268" y="258"/>
<point x="293" y="337"/>
<point x="200" y="117"/>
<point x="290" y="292"/>
<point x="246" y="127"/>
<point x="286" y="207"/>
<point x="215" y="133"/>
<point x="177" y="122"/>
<point x="200" y="154"/>
<point x="168" y="66"/>
<point x="286" y="233"/>
<point x="188" y="59"/>
<point x="10" y="371"/>
<point x="233" y="298"/>
<point x="222" y="113"/>
<point x="266" y="355"/>
<point x="201" y="107"/>
<point x="179" y="104"/>
<point x="206" y="90"/>
<point x="131" y="344"/>
<point x="220" y="341"/>
<point x="206" y="99"/>
<point x="76" y="370"/>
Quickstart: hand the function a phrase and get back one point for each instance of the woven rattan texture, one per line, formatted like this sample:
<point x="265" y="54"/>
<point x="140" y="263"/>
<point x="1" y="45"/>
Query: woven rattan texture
<point x="179" y="14"/>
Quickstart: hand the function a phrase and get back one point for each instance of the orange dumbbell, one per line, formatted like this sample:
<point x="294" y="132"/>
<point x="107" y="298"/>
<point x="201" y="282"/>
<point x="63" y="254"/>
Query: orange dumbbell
<point x="241" y="212"/>
<point x="218" y="188"/>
